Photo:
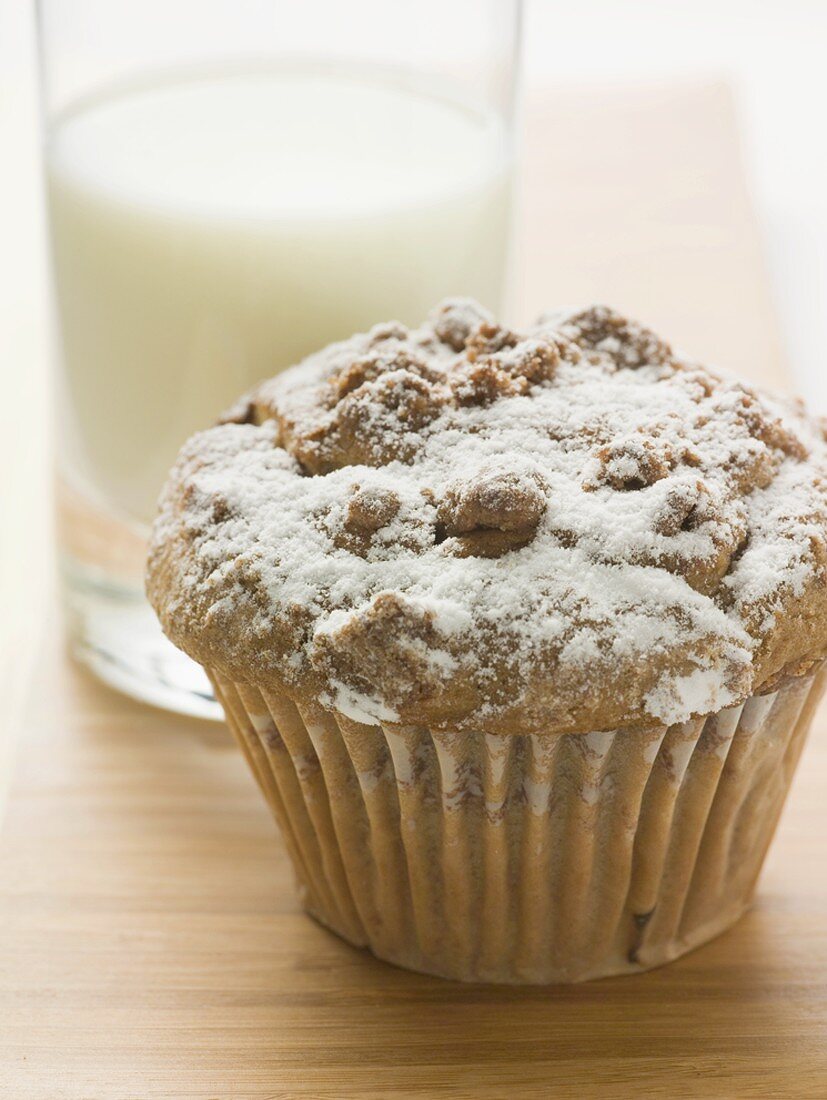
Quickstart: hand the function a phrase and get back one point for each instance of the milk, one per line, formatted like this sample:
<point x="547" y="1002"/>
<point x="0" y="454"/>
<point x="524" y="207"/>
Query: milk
<point x="209" y="231"/>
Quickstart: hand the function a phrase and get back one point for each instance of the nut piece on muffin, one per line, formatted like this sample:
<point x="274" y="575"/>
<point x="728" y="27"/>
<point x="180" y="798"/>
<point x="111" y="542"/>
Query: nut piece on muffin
<point x="452" y="550"/>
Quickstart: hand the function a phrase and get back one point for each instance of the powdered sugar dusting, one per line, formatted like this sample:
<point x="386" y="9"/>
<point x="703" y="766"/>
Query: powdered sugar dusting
<point x="357" y="706"/>
<point x="700" y="692"/>
<point x="458" y="519"/>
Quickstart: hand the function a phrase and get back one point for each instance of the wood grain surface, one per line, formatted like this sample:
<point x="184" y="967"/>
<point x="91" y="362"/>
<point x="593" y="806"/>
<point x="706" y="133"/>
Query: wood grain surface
<point x="151" y="946"/>
<point x="150" y="943"/>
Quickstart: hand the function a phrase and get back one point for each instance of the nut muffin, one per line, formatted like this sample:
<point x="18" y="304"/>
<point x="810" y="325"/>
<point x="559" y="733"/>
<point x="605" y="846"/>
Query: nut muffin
<point x="520" y="633"/>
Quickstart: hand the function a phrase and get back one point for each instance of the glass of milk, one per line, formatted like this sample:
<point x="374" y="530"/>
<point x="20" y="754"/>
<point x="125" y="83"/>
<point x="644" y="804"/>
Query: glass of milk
<point x="231" y="185"/>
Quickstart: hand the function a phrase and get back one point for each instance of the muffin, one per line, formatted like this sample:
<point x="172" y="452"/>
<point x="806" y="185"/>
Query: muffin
<point x="520" y="633"/>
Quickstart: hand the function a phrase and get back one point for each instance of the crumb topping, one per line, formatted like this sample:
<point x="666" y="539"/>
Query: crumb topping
<point x="567" y="528"/>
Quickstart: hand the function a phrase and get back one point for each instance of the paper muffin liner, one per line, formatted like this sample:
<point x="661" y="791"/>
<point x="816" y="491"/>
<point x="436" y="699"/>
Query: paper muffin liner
<point x="524" y="859"/>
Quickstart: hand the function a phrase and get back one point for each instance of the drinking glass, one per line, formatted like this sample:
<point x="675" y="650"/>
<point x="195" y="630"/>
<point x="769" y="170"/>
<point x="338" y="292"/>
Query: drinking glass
<point x="231" y="185"/>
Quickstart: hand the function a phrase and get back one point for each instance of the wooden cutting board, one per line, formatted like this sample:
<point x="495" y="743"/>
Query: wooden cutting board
<point x="150" y="946"/>
<point x="150" y="943"/>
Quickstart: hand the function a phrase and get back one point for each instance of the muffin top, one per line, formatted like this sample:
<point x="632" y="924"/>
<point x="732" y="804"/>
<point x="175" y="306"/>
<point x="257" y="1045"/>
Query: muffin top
<point x="562" y="529"/>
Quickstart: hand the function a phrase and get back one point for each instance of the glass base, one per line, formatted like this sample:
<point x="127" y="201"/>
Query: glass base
<point x="113" y="630"/>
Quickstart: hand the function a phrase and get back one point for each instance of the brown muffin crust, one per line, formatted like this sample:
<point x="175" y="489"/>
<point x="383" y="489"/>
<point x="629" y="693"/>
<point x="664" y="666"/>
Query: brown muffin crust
<point x="566" y="529"/>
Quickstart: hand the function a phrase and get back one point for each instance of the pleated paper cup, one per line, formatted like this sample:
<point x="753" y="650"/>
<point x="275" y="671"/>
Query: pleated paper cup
<point x="524" y="859"/>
